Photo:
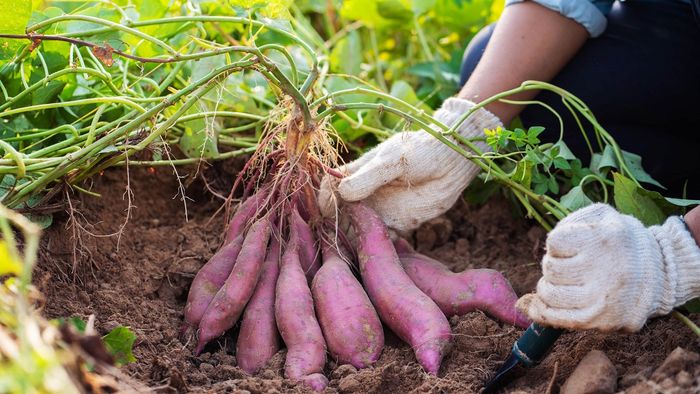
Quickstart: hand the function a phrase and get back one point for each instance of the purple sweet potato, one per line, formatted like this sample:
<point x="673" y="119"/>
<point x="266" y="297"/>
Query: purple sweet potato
<point x="308" y="250"/>
<point x="229" y="301"/>
<point x="349" y="322"/>
<point x="459" y="293"/>
<point x="296" y="320"/>
<point x="244" y="214"/>
<point x="258" y="338"/>
<point x="411" y="314"/>
<point x="208" y="281"/>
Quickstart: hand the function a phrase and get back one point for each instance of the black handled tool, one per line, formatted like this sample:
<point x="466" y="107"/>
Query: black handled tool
<point x="527" y="351"/>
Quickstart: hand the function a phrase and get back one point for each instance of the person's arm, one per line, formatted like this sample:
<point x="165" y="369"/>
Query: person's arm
<point x="530" y="42"/>
<point x="692" y="219"/>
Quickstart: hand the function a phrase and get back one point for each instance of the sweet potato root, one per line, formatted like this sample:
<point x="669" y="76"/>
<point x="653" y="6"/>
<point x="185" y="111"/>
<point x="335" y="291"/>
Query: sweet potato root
<point x="486" y="290"/>
<point x="459" y="293"/>
<point x="349" y="322"/>
<point x="296" y="320"/>
<point x="208" y="281"/>
<point x="309" y="255"/>
<point x="258" y="338"/>
<point x="243" y="216"/>
<point x="411" y="314"/>
<point x="229" y="301"/>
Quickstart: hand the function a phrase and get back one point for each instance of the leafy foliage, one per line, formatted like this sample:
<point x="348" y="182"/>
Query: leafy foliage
<point x="15" y="14"/>
<point x="31" y="359"/>
<point x="120" y="342"/>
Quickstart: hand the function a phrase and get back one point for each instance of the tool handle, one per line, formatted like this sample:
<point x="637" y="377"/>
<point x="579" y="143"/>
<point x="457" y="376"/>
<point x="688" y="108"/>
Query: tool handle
<point x="531" y="348"/>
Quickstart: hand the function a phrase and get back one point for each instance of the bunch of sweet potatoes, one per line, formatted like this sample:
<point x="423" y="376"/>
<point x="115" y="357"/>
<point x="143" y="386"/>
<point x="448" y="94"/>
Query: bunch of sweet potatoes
<point x="287" y="273"/>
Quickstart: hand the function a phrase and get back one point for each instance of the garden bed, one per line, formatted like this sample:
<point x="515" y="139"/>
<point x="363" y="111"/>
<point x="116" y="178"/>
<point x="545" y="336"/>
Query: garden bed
<point x="141" y="278"/>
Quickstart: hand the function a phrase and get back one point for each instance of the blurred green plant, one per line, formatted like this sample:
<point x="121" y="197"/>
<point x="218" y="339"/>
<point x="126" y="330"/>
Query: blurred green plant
<point x="31" y="358"/>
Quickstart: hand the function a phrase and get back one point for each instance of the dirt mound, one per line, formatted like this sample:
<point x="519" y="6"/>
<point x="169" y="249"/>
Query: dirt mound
<point x="140" y="279"/>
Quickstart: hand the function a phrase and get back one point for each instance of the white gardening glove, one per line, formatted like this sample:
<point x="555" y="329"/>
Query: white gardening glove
<point x="605" y="270"/>
<point x="411" y="177"/>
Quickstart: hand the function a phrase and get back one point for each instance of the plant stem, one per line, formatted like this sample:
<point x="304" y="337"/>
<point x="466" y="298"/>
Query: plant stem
<point x="684" y="319"/>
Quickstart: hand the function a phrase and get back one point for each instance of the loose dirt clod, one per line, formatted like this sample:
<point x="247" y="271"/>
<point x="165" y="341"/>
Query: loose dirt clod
<point x="678" y="360"/>
<point x="595" y="374"/>
<point x="677" y="374"/>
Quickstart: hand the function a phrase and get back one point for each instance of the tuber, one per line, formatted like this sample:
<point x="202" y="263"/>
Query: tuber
<point x="349" y="322"/>
<point x="258" y="338"/>
<point x="411" y="314"/>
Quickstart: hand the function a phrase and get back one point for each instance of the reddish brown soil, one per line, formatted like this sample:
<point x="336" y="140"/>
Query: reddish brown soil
<point x="141" y="280"/>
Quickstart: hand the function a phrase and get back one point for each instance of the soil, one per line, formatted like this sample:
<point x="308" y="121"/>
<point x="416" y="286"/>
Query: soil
<point x="140" y="279"/>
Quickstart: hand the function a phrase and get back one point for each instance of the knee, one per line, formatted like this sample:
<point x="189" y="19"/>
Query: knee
<point x="474" y="51"/>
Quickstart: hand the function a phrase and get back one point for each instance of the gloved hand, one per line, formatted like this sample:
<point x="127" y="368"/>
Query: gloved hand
<point x="411" y="177"/>
<point x="605" y="270"/>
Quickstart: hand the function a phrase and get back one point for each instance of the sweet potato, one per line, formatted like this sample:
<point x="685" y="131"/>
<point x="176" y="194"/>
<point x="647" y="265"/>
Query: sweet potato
<point x="411" y="314"/>
<point x="459" y="293"/>
<point x="208" y="281"/>
<point x="349" y="322"/>
<point x="309" y="255"/>
<point x="258" y="338"/>
<point x="229" y="301"/>
<point x="244" y="214"/>
<point x="296" y="320"/>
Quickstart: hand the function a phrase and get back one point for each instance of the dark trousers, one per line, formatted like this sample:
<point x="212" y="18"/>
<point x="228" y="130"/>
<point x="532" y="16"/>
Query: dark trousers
<point x="641" y="79"/>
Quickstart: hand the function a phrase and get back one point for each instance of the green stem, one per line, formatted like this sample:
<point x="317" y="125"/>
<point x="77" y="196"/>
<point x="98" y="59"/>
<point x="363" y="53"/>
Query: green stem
<point x="105" y="78"/>
<point x="16" y="156"/>
<point x="76" y="159"/>
<point x="98" y="21"/>
<point x="95" y="100"/>
<point x="191" y="160"/>
<point x="684" y="319"/>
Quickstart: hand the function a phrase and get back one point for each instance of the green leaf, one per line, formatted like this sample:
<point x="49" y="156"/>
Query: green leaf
<point x="435" y="71"/>
<point x="479" y="191"/>
<point x="576" y="198"/>
<point x="606" y="160"/>
<point x="269" y="8"/>
<point x="199" y="139"/>
<point x="533" y="134"/>
<point x="402" y="90"/>
<point x="120" y="343"/>
<point x="8" y="183"/>
<point x="77" y="323"/>
<point x="15" y="16"/>
<point x="564" y="151"/>
<point x="317" y="6"/>
<point x="74" y="321"/>
<point x="48" y="93"/>
<point x="462" y="16"/>
<point x="394" y="10"/>
<point x="553" y="185"/>
<point x="335" y="83"/>
<point x="44" y="14"/>
<point x="682" y="202"/>
<point x="540" y="188"/>
<point x="44" y="220"/>
<point x="346" y="56"/>
<point x="541" y="183"/>
<point x="420" y="7"/>
<point x="629" y="200"/>
<point x="365" y="11"/>
<point x="692" y="306"/>
<point x="634" y="164"/>
<point x="561" y="163"/>
<point x="523" y="173"/>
